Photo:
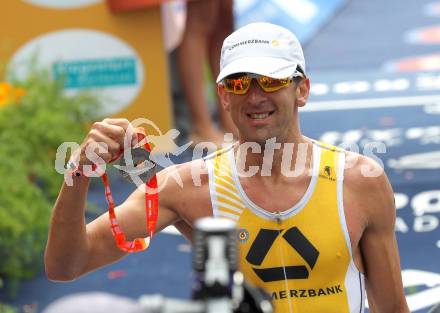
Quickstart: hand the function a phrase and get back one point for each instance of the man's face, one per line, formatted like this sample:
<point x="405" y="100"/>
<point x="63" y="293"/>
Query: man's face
<point x="261" y="115"/>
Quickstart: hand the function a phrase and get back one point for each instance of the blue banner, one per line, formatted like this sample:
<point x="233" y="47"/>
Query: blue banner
<point x="395" y="120"/>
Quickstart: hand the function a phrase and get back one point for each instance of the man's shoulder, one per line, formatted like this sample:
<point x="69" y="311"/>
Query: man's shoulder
<point x="220" y="152"/>
<point x="359" y="170"/>
<point x="367" y="184"/>
<point x="363" y="171"/>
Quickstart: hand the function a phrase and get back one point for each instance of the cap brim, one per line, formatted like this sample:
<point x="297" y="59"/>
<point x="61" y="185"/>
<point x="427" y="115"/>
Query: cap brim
<point x="272" y="67"/>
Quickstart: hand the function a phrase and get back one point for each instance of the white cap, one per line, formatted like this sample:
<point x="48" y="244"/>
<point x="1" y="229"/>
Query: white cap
<point x="264" y="49"/>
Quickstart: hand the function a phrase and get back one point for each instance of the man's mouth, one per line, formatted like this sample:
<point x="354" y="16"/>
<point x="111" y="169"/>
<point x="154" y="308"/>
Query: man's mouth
<point x="259" y="116"/>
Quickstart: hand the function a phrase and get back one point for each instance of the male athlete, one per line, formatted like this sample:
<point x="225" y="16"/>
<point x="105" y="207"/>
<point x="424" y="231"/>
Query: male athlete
<point x="315" y="223"/>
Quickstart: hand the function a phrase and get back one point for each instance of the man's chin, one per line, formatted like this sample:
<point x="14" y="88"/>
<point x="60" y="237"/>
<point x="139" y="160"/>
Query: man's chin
<point x="256" y="138"/>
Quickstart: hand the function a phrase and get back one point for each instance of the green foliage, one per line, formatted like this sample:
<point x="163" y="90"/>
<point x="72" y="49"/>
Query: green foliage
<point x="7" y="309"/>
<point x="31" y="129"/>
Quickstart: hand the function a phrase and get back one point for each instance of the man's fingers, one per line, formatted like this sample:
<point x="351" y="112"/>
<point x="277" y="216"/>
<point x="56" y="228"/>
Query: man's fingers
<point x="117" y="133"/>
<point x="100" y="145"/>
<point x="127" y="127"/>
<point x="122" y="122"/>
<point x="107" y="140"/>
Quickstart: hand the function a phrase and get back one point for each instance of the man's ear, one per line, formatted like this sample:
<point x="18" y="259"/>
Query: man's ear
<point x="224" y="97"/>
<point x="302" y="92"/>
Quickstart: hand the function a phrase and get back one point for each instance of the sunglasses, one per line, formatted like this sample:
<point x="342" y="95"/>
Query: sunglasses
<point x="239" y="83"/>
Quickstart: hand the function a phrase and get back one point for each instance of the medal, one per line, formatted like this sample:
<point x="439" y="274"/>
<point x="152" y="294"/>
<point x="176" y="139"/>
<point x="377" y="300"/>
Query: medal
<point x="145" y="169"/>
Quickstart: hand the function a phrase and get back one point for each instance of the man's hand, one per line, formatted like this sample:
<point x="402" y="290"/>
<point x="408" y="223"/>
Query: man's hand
<point x="105" y="142"/>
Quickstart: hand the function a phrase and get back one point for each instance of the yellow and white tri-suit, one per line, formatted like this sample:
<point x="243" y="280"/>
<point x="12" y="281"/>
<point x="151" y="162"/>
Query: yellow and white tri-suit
<point x="302" y="256"/>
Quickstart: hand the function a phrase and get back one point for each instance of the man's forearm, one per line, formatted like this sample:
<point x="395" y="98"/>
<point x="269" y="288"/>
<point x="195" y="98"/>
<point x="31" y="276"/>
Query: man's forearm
<point x="67" y="248"/>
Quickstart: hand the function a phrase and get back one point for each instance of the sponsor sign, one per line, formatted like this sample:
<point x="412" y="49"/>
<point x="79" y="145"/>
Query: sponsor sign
<point x="120" y="57"/>
<point x="115" y="70"/>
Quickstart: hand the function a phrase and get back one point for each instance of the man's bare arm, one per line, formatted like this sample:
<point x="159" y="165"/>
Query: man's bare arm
<point x="378" y="242"/>
<point x="66" y="246"/>
<point x="74" y="248"/>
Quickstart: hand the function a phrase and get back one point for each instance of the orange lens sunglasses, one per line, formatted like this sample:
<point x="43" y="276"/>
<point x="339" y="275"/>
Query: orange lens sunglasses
<point x="239" y="83"/>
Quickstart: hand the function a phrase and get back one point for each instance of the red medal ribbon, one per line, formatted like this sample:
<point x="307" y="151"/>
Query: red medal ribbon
<point x="151" y="207"/>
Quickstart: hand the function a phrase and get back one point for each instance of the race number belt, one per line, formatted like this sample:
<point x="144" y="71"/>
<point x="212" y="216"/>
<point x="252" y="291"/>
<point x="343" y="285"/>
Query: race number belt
<point x="148" y="177"/>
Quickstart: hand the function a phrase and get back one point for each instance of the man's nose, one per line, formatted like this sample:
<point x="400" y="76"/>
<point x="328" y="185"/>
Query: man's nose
<point x="255" y="89"/>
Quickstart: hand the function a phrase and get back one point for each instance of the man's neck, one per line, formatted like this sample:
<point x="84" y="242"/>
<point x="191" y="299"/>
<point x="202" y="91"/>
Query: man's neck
<point x="275" y="160"/>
